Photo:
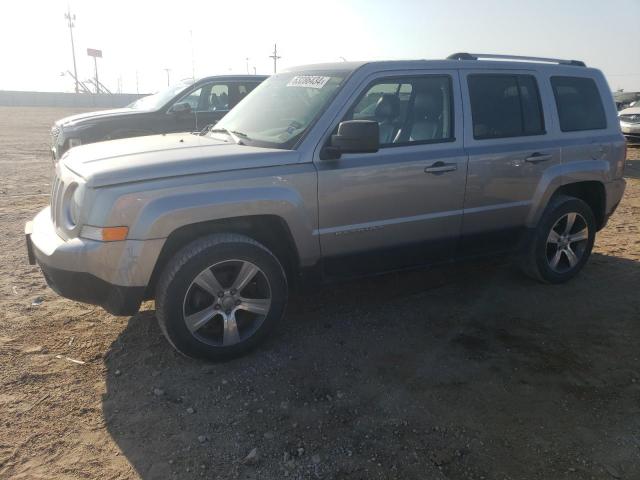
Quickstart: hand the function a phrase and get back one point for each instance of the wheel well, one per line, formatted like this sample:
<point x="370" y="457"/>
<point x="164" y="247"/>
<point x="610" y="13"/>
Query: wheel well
<point x="592" y="193"/>
<point x="269" y="230"/>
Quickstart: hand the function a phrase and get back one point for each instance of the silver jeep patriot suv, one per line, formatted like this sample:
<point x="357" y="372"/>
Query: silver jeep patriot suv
<point x="334" y="170"/>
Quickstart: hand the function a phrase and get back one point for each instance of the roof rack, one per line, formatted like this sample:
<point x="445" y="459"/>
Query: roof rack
<point x="476" y="56"/>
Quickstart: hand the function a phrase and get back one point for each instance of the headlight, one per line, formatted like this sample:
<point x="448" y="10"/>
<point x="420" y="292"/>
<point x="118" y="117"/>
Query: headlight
<point x="72" y="205"/>
<point x="630" y="118"/>
<point x="74" y="142"/>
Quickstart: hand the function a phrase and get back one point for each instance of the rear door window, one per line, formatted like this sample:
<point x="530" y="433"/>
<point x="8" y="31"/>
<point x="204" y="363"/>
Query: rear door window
<point x="579" y="104"/>
<point x="504" y="106"/>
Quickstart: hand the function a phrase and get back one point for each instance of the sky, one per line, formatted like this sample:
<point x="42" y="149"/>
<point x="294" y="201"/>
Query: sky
<point x="140" y="39"/>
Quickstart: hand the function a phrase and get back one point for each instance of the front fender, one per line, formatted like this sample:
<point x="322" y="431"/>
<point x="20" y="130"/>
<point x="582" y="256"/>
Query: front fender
<point x="159" y="217"/>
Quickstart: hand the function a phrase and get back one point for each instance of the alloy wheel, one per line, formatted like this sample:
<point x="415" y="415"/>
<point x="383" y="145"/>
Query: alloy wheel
<point x="567" y="242"/>
<point x="227" y="302"/>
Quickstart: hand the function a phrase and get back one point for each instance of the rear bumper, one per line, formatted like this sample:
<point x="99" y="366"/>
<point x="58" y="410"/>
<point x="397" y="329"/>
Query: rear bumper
<point x="614" y="192"/>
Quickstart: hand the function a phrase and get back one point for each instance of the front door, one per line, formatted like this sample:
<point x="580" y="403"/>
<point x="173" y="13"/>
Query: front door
<point x="213" y="105"/>
<point x="207" y="104"/>
<point x="401" y="206"/>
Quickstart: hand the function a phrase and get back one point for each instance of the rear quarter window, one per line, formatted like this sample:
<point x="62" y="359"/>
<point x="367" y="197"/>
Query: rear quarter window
<point x="579" y="104"/>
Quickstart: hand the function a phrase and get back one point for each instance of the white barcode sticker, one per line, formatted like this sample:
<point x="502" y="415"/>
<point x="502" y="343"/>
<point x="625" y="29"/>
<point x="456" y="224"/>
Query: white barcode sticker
<point x="308" y="81"/>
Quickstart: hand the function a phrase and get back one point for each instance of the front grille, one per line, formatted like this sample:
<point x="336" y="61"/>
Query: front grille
<point x="57" y="188"/>
<point x="635" y="118"/>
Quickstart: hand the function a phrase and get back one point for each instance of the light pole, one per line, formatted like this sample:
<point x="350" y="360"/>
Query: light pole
<point x="70" y="23"/>
<point x="167" y="70"/>
<point x="95" y="67"/>
<point x="193" y="61"/>
<point x="95" y="53"/>
<point x="275" y="57"/>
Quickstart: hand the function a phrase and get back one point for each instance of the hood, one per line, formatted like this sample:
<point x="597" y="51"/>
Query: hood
<point x="630" y="111"/>
<point x="162" y="156"/>
<point x="116" y="112"/>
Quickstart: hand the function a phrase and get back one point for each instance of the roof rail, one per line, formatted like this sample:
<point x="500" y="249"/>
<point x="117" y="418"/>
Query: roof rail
<point x="476" y="56"/>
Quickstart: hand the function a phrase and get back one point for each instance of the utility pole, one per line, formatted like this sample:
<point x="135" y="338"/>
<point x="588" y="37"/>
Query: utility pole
<point x="167" y="70"/>
<point x="70" y="23"/>
<point x="137" y="85"/>
<point x="247" y="59"/>
<point x="275" y="57"/>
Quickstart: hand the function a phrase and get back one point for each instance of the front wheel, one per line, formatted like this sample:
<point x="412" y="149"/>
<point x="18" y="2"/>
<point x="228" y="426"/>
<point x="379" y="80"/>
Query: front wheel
<point x="220" y="296"/>
<point x="562" y="241"/>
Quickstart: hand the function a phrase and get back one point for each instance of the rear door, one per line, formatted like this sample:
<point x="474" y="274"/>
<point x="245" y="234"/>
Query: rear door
<point x="402" y="205"/>
<point x="584" y="132"/>
<point x="506" y="123"/>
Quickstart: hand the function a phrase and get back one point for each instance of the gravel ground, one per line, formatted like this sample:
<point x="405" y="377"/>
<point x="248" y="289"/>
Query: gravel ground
<point x="462" y="372"/>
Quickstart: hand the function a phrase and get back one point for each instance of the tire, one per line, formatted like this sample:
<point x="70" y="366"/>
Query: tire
<point x="219" y="296"/>
<point x="558" y="257"/>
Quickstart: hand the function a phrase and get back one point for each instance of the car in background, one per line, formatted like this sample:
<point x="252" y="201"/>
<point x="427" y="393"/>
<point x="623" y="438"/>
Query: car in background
<point x="625" y="99"/>
<point x="630" y="123"/>
<point x="186" y="106"/>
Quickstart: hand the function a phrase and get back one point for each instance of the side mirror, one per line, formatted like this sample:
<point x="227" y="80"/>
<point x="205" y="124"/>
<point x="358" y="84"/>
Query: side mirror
<point x="181" y="108"/>
<point x="355" y="136"/>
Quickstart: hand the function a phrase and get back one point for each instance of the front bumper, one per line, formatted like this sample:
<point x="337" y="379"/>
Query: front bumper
<point x="630" y="130"/>
<point x="113" y="275"/>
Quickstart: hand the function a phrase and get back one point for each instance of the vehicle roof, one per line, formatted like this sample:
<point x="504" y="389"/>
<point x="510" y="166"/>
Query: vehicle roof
<point x="232" y="77"/>
<point x="439" y="64"/>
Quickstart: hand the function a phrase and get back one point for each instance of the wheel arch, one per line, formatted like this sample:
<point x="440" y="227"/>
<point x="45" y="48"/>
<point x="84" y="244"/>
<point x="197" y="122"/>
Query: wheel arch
<point x="583" y="180"/>
<point x="272" y="231"/>
<point x="593" y="193"/>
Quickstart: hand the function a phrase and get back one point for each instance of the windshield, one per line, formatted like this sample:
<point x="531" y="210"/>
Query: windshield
<point x="157" y="100"/>
<point x="278" y="112"/>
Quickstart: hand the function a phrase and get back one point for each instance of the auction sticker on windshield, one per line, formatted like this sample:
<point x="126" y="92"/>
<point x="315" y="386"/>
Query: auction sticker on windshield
<point x="308" y="81"/>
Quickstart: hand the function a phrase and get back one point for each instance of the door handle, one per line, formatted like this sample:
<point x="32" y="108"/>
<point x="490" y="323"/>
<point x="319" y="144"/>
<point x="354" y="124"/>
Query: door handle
<point x="538" y="157"/>
<point x="441" y="167"/>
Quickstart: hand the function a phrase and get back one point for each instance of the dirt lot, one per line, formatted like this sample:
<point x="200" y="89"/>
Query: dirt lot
<point x="464" y="372"/>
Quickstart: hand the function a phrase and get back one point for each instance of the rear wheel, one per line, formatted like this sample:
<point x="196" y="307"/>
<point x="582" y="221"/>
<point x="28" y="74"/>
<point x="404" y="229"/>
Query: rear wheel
<point x="220" y="296"/>
<point x="562" y="241"/>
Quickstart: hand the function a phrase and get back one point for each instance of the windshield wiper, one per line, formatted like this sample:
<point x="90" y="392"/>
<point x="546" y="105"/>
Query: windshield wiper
<point x="233" y="135"/>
